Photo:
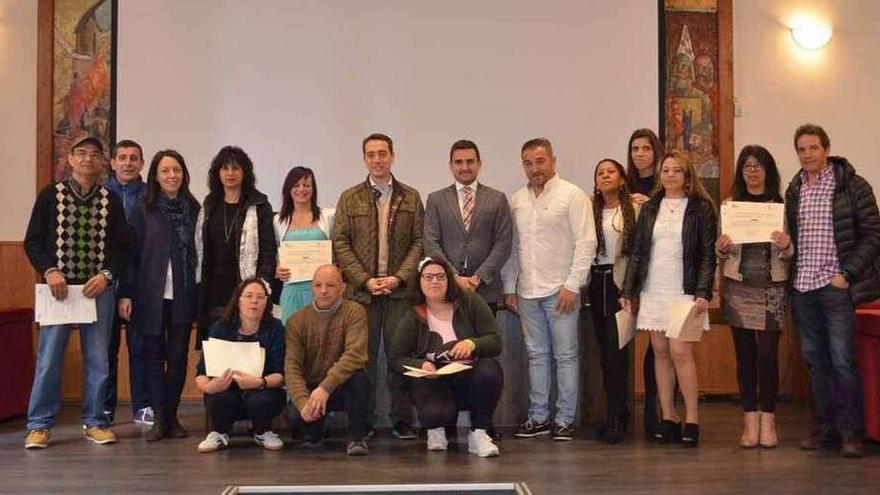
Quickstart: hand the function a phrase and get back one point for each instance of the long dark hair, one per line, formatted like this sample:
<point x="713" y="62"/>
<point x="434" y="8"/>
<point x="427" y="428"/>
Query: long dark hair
<point x="632" y="172"/>
<point x="227" y="155"/>
<point x="154" y="190"/>
<point x="294" y="176"/>
<point x="626" y="207"/>
<point x="772" y="185"/>
<point x="231" y="316"/>
<point x="452" y="290"/>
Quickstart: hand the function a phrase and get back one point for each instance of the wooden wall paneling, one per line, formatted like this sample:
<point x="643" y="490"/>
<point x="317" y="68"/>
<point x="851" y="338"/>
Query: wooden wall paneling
<point x="17" y="278"/>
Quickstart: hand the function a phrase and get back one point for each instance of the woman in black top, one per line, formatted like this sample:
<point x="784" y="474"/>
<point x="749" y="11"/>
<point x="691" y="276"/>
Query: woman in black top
<point x="235" y="237"/>
<point x="159" y="287"/>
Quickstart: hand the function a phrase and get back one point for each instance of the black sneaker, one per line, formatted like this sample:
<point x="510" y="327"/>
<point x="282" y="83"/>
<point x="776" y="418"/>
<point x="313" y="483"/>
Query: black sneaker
<point x="615" y="432"/>
<point x="311" y="442"/>
<point x="403" y="431"/>
<point x="533" y="428"/>
<point x="357" y="447"/>
<point x="563" y="432"/>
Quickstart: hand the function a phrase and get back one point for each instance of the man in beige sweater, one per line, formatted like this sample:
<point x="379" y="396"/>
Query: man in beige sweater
<point x="325" y="360"/>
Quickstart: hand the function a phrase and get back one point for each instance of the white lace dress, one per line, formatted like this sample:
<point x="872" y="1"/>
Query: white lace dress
<point x="663" y="285"/>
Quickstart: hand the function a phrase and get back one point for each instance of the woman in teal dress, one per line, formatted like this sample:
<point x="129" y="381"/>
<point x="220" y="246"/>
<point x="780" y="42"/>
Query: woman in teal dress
<point x="300" y="219"/>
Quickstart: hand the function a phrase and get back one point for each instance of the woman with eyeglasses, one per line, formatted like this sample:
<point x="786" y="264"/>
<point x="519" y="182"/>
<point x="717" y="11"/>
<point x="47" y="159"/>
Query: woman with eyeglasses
<point x="235" y="238"/>
<point x="159" y="288"/>
<point x="237" y="395"/>
<point x="673" y="263"/>
<point x="614" y="210"/>
<point x="755" y="298"/>
<point x="447" y="326"/>
<point x="300" y="219"/>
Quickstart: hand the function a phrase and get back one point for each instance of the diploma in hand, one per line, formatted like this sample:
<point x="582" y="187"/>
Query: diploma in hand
<point x="302" y="258"/>
<point x="746" y="222"/>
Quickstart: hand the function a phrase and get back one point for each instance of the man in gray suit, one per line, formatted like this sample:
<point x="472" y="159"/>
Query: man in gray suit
<point x="468" y="224"/>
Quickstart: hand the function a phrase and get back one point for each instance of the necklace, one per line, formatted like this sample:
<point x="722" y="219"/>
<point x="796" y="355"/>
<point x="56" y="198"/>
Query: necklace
<point x="228" y="229"/>
<point x="672" y="210"/>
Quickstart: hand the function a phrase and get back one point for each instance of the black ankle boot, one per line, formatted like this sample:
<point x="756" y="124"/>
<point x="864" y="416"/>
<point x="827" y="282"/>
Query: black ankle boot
<point x="670" y="432"/>
<point x="615" y="432"/>
<point x="690" y="437"/>
<point x="175" y="429"/>
<point x="157" y="431"/>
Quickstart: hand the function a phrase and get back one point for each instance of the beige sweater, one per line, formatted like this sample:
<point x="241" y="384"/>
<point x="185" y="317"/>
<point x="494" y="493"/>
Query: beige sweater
<point x="324" y="349"/>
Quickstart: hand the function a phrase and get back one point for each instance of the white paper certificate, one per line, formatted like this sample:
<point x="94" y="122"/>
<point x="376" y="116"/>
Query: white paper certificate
<point x="221" y="355"/>
<point x="75" y="308"/>
<point x="302" y="258"/>
<point x="745" y="221"/>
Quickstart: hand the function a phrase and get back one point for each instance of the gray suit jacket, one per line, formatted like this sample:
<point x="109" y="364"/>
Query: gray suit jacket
<point x="483" y="249"/>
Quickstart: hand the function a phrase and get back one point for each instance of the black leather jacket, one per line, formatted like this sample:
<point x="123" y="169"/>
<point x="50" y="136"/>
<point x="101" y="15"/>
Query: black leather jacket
<point x="856" y="228"/>
<point x="698" y="236"/>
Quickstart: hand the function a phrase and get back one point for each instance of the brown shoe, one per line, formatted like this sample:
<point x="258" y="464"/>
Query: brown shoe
<point x="820" y="438"/>
<point x="37" y="439"/>
<point x="769" y="438"/>
<point x="99" y="434"/>
<point x="751" y="428"/>
<point x="175" y="429"/>
<point x="851" y="445"/>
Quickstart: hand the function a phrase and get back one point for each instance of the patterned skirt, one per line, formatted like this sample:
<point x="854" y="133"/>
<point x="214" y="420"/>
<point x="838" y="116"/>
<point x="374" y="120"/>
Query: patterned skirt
<point x="754" y="308"/>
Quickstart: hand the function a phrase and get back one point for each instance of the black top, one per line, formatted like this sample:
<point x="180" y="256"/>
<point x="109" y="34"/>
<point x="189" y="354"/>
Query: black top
<point x="224" y="244"/>
<point x="642" y="185"/>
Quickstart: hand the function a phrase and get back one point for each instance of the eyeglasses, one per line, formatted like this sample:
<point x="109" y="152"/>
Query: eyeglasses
<point x="753" y="166"/>
<point x="432" y="277"/>
<point x="254" y="297"/>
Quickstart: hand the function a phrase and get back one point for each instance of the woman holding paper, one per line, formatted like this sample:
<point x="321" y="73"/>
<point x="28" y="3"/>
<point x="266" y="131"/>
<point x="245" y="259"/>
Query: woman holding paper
<point x="450" y="326"/>
<point x="755" y="299"/>
<point x="234" y="394"/>
<point x="670" y="273"/>
<point x="159" y="287"/>
<point x="300" y="219"/>
<point x="614" y="210"/>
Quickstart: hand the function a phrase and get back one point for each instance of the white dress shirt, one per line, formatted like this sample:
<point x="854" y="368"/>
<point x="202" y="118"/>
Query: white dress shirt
<point x="554" y="240"/>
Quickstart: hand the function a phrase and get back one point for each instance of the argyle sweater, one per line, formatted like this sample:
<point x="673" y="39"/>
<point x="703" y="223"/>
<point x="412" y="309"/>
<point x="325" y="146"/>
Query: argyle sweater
<point x="80" y="234"/>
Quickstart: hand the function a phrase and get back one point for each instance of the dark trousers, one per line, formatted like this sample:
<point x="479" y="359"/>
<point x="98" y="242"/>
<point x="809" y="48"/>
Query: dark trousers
<point x="383" y="315"/>
<point x="757" y="368"/>
<point x="825" y="321"/>
<point x="351" y="397"/>
<point x="259" y="406"/>
<point x="614" y="361"/>
<point x="166" y="355"/>
<point x="136" y="371"/>
<point x="477" y="390"/>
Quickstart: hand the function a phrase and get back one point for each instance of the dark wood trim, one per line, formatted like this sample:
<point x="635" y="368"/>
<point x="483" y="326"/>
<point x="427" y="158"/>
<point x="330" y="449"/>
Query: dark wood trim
<point x="725" y="97"/>
<point x="45" y="73"/>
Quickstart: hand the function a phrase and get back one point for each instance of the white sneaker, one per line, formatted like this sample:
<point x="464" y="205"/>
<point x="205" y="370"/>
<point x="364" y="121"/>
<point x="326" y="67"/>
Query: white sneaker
<point x="437" y="439"/>
<point x="144" y="416"/>
<point x="213" y="442"/>
<point x="269" y="440"/>
<point x="481" y="444"/>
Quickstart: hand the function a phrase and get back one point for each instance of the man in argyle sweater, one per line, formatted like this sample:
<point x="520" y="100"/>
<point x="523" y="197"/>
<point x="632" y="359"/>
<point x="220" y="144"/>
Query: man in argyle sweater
<point x="76" y="236"/>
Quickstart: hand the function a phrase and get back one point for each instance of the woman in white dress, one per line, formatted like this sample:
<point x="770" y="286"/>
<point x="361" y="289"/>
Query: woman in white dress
<point x="673" y="261"/>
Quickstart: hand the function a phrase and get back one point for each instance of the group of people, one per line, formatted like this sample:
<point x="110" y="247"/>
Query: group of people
<point x="416" y="287"/>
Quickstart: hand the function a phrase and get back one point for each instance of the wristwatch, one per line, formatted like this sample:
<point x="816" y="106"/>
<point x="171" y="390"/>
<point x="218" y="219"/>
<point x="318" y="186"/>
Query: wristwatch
<point x="107" y="274"/>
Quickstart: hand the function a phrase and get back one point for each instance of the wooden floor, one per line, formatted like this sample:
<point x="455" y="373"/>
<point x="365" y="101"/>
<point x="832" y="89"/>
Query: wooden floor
<point x="73" y="465"/>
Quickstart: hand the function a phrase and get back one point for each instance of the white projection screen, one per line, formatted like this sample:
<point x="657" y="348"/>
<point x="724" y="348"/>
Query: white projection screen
<point x="297" y="82"/>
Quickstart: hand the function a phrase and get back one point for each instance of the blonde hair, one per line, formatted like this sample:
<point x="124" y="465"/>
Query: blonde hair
<point x="693" y="186"/>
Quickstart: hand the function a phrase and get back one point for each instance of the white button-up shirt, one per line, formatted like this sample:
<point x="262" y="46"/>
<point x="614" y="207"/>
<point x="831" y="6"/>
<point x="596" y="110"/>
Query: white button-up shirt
<point x="554" y="240"/>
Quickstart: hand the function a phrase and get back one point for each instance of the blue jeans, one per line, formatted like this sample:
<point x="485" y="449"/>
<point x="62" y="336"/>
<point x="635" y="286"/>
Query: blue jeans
<point x="825" y="320"/>
<point x="94" y="339"/>
<point x="551" y="335"/>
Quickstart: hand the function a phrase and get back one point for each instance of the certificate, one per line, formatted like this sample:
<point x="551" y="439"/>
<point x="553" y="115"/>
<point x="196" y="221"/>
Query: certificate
<point x="75" y="308"/>
<point x="221" y="355"/>
<point x="302" y="258"/>
<point x="745" y="221"/>
<point x="686" y="322"/>
<point x="626" y="327"/>
<point x="449" y="369"/>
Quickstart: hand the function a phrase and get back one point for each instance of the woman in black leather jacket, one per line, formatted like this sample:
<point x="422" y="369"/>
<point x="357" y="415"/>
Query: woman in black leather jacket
<point x="673" y="262"/>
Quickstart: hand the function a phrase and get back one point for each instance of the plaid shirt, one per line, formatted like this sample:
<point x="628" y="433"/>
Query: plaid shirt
<point x="816" y="252"/>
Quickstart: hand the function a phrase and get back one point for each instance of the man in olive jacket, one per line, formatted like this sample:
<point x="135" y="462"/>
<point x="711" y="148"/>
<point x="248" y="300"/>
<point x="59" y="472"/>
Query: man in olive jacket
<point x="377" y="240"/>
<point x="835" y="227"/>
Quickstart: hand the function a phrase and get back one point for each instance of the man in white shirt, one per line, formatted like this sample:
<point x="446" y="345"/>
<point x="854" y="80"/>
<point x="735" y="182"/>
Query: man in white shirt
<point x="554" y="243"/>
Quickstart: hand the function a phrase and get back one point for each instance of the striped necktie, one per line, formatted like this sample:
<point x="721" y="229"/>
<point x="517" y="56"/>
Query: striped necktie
<point x="467" y="207"/>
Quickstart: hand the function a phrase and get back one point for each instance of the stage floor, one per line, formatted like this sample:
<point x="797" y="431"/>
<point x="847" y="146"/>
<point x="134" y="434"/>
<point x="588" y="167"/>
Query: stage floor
<point x="73" y="465"/>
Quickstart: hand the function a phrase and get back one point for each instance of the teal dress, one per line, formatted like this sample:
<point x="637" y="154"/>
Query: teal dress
<point x="295" y="295"/>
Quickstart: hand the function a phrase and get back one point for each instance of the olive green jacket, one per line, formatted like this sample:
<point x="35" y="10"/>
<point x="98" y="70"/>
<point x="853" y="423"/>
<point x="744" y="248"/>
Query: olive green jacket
<point x="356" y="239"/>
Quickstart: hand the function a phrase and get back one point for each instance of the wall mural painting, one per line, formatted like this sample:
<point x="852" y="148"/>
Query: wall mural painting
<point x="83" y="100"/>
<point x="691" y="97"/>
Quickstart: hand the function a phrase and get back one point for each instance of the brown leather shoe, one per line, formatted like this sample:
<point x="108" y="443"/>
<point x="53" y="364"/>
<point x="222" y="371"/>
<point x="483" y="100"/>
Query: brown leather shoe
<point x="851" y="445"/>
<point x="820" y="438"/>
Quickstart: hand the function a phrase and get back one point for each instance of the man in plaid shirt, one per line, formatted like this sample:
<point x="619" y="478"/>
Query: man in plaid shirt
<point x="832" y="215"/>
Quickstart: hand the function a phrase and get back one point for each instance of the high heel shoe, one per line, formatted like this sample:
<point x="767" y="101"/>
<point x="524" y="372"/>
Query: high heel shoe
<point x="769" y="438"/>
<point x="751" y="427"/>
<point x="670" y="432"/>
<point x="690" y="437"/>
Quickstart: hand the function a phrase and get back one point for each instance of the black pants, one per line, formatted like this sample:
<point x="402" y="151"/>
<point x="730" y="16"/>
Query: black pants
<point x="259" y="406"/>
<point x="165" y="357"/>
<point x="383" y="315"/>
<point x="136" y="372"/>
<point x="351" y="397"/>
<point x="614" y="361"/>
<point x="477" y="390"/>
<point x="757" y="368"/>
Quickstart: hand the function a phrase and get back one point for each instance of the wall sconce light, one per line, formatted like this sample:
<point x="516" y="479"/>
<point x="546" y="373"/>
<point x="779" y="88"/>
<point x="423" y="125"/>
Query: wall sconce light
<point x="811" y="35"/>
